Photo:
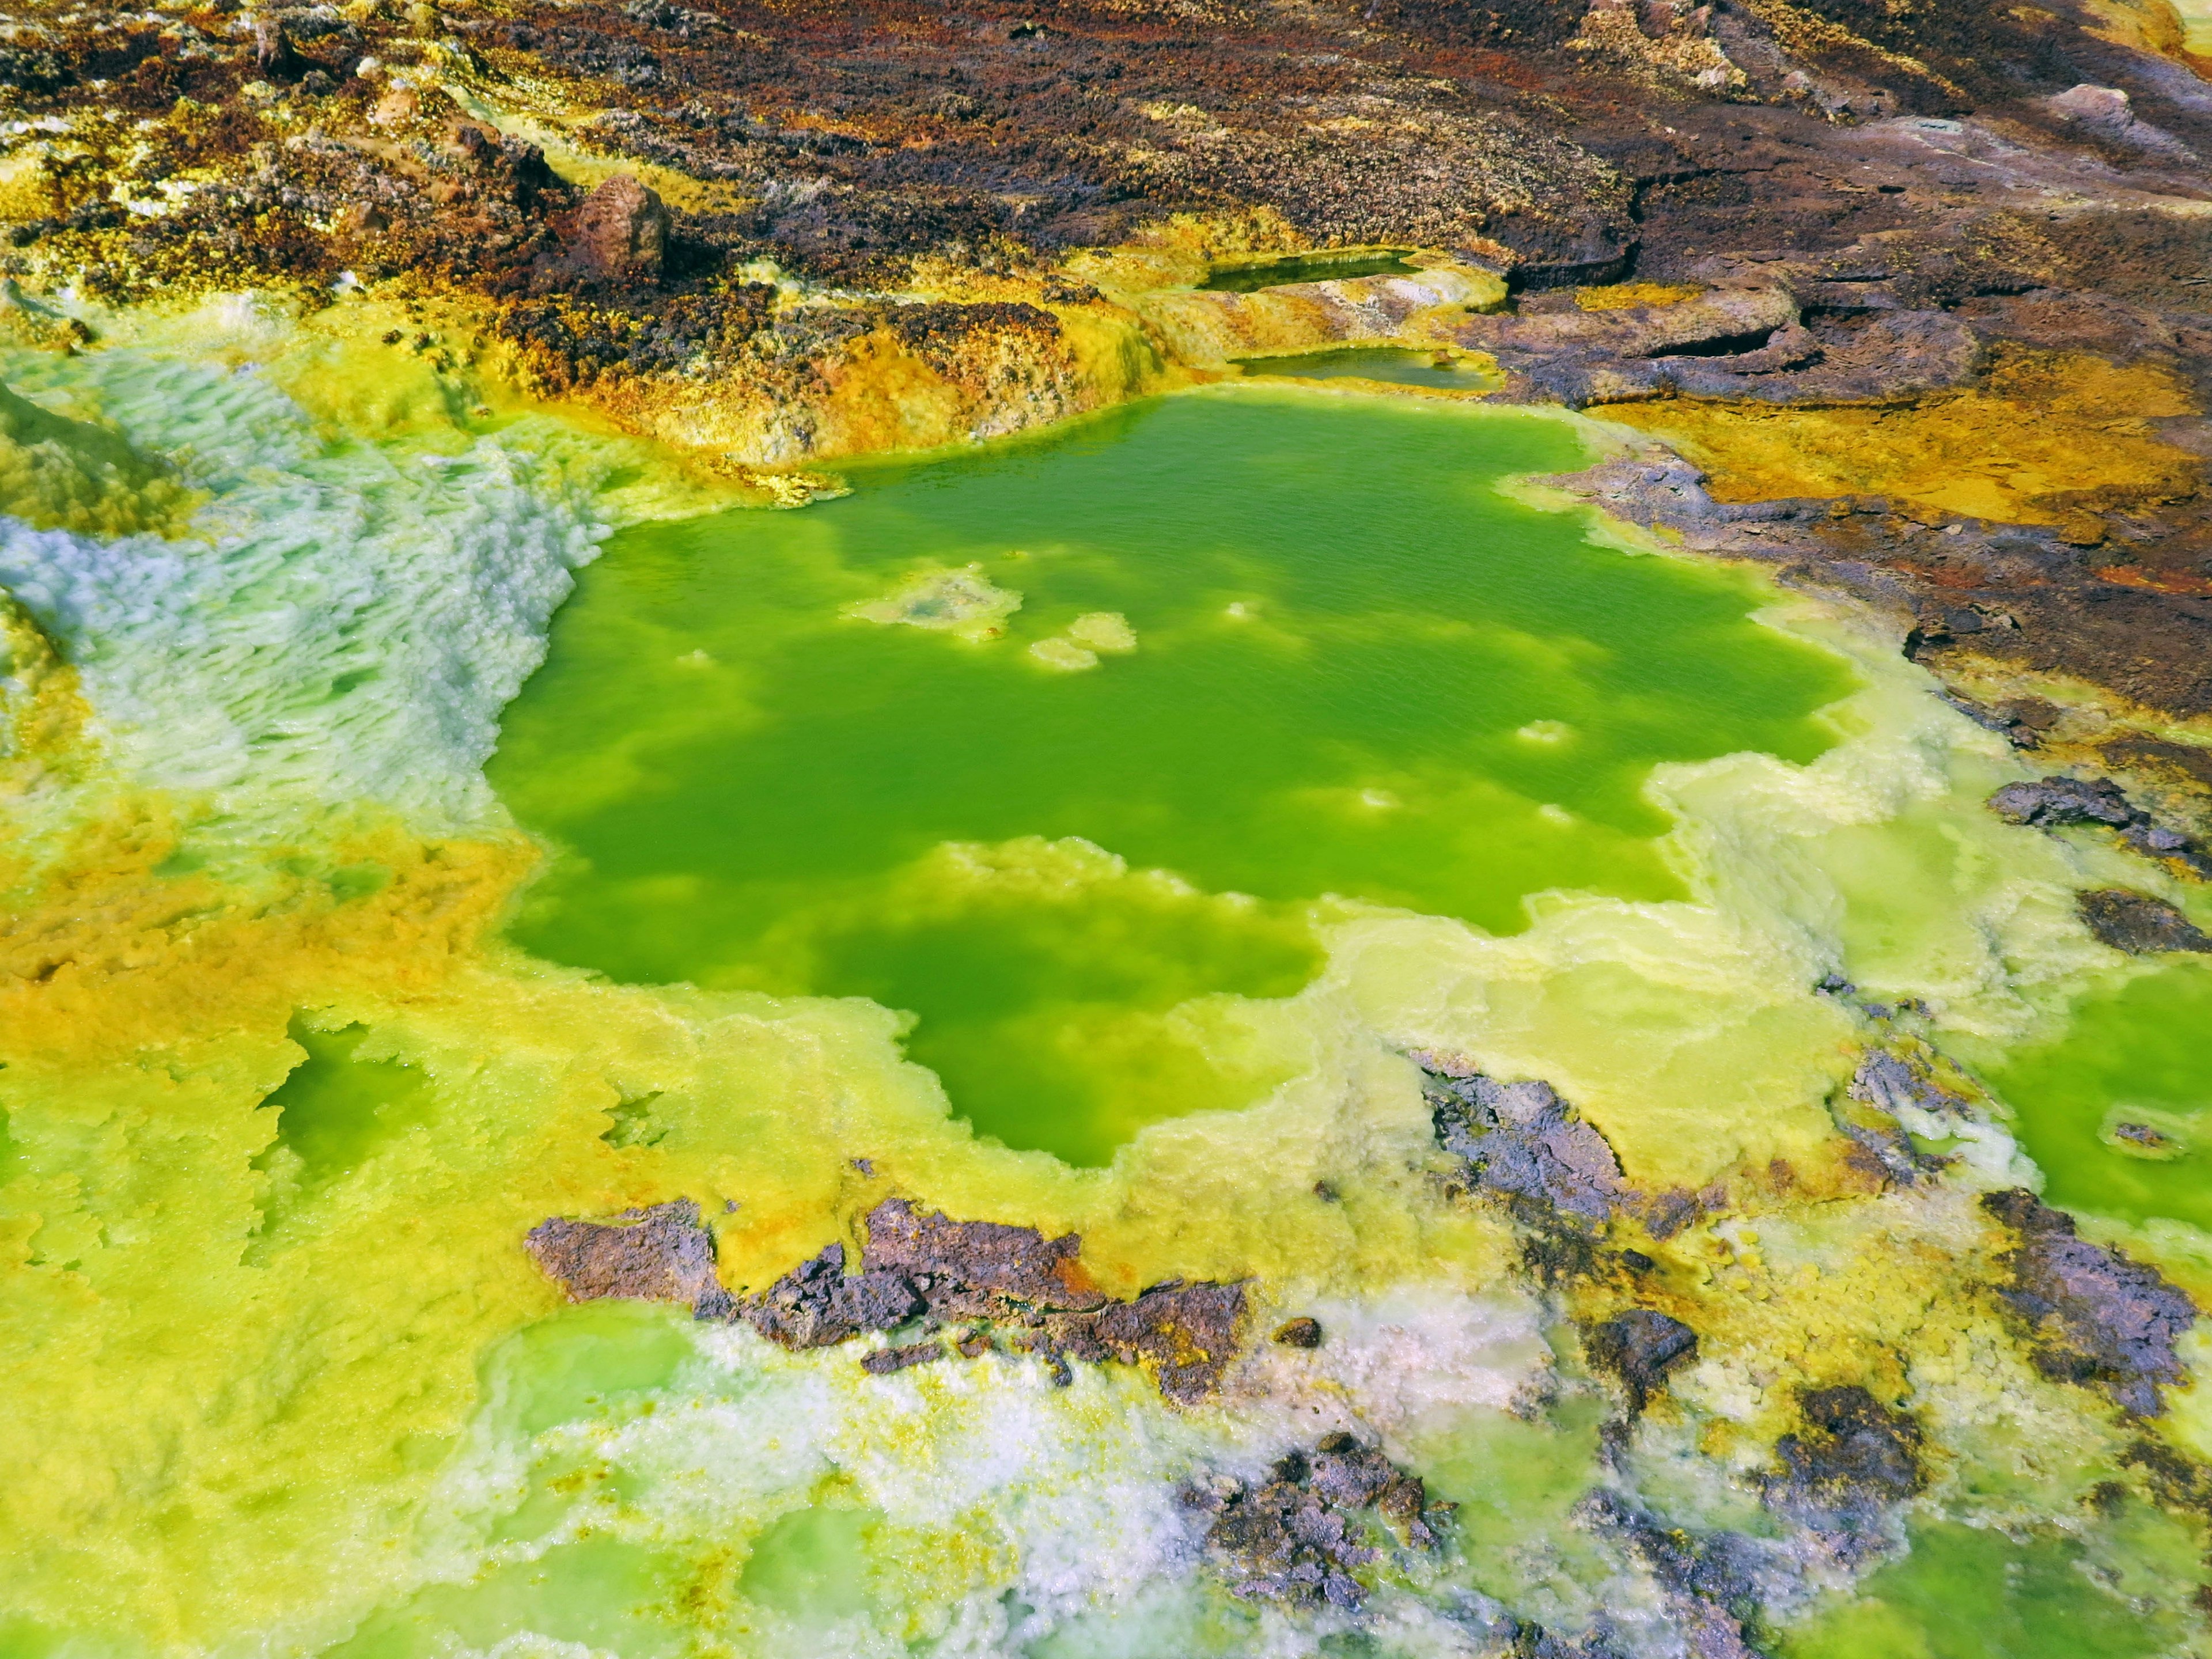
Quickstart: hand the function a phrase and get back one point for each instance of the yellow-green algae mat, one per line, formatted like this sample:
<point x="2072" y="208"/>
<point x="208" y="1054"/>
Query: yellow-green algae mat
<point x="1080" y="833"/>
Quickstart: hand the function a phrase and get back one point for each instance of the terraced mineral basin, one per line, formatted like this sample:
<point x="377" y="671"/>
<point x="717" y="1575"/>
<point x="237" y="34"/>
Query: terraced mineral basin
<point x="1069" y="746"/>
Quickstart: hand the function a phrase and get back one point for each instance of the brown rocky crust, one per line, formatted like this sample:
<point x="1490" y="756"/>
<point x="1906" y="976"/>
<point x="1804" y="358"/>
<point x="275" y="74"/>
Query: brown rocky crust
<point x="1001" y="1263"/>
<point x="660" y="1253"/>
<point x="1008" y="1286"/>
<point x="1824" y="206"/>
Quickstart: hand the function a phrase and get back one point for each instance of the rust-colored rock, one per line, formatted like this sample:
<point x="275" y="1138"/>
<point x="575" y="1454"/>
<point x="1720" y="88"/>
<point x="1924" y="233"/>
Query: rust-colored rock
<point x="948" y="1257"/>
<point x="660" y="1253"/>
<point x="622" y="232"/>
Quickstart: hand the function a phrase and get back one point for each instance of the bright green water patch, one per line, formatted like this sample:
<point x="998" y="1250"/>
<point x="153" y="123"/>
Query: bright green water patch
<point x="1278" y="646"/>
<point x="1250" y="279"/>
<point x="1393" y="365"/>
<point x="337" y="1109"/>
<point x="1964" y="1593"/>
<point x="2116" y="1111"/>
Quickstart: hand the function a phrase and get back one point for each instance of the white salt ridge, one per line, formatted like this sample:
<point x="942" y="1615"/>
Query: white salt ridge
<point x="346" y="621"/>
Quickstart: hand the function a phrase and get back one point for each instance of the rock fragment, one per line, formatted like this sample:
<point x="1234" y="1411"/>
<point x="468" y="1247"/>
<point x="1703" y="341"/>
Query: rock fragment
<point x="1298" y="1333"/>
<point x="2137" y="923"/>
<point x="884" y="1361"/>
<point x="818" y="1303"/>
<point x="2095" y="1317"/>
<point x="1853" y="1459"/>
<point x="660" y="1253"/>
<point x="622" y="232"/>
<point x="1299" y="1535"/>
<point x="1639" y="1347"/>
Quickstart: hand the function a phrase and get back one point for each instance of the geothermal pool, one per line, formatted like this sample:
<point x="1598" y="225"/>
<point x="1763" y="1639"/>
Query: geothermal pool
<point x="421" y="828"/>
<point x="1335" y="666"/>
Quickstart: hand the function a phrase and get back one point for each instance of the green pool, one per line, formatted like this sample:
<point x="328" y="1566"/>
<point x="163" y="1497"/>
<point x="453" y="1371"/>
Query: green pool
<point x="1066" y="746"/>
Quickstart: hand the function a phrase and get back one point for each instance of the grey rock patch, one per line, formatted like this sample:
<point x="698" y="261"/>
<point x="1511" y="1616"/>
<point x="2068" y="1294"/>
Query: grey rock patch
<point x="2053" y="803"/>
<point x="1704" y="1581"/>
<point x="2137" y="923"/>
<point x="1522" y="1140"/>
<point x="1843" y="1472"/>
<point x="818" y="1303"/>
<point x="1884" y="1086"/>
<point x="2095" y="1317"/>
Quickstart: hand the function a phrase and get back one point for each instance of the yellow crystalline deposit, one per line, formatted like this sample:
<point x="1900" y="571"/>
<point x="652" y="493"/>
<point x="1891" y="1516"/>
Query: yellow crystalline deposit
<point x="1622" y="296"/>
<point x="2045" y="433"/>
<point x="1206" y="327"/>
<point x="964" y="603"/>
<point x="57" y="473"/>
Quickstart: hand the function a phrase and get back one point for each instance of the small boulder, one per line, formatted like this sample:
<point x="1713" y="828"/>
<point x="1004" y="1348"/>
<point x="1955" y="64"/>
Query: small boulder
<point x="622" y="232"/>
<point x="2050" y="802"/>
<point x="884" y="1361"/>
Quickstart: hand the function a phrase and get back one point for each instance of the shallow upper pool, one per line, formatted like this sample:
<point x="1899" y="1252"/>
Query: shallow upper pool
<point x="1054" y="744"/>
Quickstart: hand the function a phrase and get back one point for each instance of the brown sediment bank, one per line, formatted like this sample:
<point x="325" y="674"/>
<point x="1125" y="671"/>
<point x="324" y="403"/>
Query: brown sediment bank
<point x="1932" y="283"/>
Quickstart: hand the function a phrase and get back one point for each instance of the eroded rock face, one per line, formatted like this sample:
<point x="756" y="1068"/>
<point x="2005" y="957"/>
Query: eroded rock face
<point x="1301" y="1534"/>
<point x="660" y="1253"/>
<point x="2093" y="1316"/>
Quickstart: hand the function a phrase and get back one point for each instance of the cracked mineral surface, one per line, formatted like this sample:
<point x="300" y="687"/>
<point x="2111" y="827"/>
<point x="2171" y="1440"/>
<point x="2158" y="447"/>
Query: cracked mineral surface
<point x="1140" y="827"/>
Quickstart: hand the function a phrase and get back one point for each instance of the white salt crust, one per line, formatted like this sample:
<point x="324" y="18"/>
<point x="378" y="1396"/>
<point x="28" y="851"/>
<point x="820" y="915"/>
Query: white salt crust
<point x="344" y="621"/>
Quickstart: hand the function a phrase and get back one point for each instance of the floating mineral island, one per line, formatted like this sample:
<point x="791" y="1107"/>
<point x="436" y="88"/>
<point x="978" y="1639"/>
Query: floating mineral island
<point x="1107" y="830"/>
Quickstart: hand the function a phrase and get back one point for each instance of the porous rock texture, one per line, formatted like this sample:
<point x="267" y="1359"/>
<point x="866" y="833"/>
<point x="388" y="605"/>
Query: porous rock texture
<point x="1009" y="1286"/>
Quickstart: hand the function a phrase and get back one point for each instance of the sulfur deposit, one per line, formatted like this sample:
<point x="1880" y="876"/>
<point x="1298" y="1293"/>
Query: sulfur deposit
<point x="1128" y="829"/>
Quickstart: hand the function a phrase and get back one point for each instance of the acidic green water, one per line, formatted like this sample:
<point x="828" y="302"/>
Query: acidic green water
<point x="1393" y="365"/>
<point x="2140" y="1054"/>
<point x="1321" y="267"/>
<point x="1277" y="646"/>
